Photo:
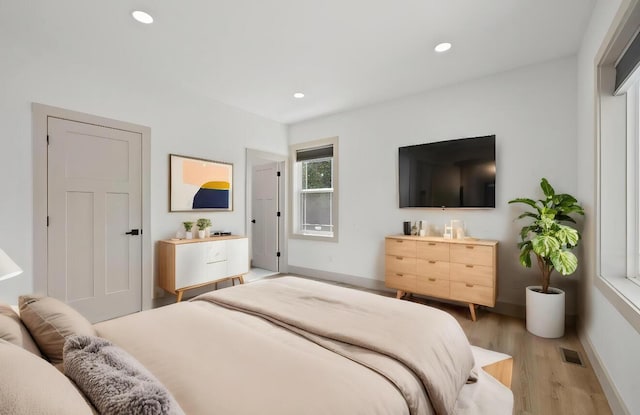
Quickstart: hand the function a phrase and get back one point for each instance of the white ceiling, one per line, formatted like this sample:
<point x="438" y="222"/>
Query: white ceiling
<point x="343" y="54"/>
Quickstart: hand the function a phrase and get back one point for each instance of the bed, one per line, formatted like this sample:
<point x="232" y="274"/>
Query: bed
<point x="295" y="346"/>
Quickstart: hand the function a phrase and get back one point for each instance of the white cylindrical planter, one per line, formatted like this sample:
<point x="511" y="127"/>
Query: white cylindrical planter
<point x="188" y="235"/>
<point x="545" y="312"/>
<point x="201" y="234"/>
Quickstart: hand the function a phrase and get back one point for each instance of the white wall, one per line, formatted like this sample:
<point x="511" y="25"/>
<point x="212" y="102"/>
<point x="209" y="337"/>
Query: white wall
<point x="181" y="124"/>
<point x="600" y="321"/>
<point x="531" y="110"/>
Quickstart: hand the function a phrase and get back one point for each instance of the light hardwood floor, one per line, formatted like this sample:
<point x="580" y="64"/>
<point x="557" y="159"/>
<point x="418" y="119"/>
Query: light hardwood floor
<point x="543" y="384"/>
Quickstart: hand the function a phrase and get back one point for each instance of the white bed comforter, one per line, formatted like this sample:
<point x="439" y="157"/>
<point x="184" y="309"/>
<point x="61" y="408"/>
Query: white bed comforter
<point x="293" y="346"/>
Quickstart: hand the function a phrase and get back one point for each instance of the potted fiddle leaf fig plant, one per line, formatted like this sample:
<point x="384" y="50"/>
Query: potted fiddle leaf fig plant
<point x="549" y="236"/>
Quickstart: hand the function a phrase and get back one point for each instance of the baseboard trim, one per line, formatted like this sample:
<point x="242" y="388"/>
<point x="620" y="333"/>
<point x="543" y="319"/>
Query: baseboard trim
<point x="337" y="277"/>
<point x="613" y="397"/>
<point x="509" y="309"/>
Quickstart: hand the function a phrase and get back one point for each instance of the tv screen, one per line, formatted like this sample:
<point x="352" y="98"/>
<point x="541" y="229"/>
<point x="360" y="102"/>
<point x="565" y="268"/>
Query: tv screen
<point x="455" y="173"/>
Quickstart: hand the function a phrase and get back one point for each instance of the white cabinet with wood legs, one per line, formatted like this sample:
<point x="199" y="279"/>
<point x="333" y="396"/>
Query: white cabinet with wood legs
<point x="452" y="269"/>
<point x="186" y="264"/>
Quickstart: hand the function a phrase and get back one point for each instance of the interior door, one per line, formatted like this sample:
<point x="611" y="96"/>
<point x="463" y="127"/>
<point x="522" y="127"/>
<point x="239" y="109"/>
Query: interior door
<point x="94" y="210"/>
<point x="265" y="219"/>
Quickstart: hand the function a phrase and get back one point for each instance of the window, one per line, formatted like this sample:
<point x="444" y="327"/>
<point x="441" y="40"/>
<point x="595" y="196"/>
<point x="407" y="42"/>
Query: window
<point x="315" y="193"/>
<point x="618" y="186"/>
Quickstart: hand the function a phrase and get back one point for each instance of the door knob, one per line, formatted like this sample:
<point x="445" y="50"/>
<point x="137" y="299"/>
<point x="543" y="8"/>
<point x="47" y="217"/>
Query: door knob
<point x="133" y="232"/>
<point x="253" y="221"/>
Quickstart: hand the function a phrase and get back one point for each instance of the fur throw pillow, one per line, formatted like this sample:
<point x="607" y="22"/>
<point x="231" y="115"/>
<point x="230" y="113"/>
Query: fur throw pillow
<point x="113" y="380"/>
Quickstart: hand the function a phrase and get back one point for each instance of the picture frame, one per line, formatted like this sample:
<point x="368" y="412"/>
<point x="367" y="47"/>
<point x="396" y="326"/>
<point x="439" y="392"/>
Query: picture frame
<point x="197" y="184"/>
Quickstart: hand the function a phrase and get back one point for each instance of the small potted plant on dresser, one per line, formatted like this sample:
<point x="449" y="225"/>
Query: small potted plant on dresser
<point x="187" y="227"/>
<point x="202" y="224"/>
<point x="550" y="238"/>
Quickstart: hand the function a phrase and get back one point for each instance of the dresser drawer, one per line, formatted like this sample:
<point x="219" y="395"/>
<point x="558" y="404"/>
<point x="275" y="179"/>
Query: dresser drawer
<point x="435" y="251"/>
<point x="433" y="269"/>
<point x="472" y="274"/>
<point x="472" y="293"/>
<point x="400" y="247"/>
<point x="400" y="281"/>
<point x="215" y="251"/>
<point x="472" y="254"/>
<point x="401" y="264"/>
<point x="434" y="287"/>
<point x="200" y="274"/>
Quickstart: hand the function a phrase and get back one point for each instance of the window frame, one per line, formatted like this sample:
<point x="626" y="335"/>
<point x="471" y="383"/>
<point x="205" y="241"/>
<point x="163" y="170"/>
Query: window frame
<point x="633" y="183"/>
<point x="618" y="126"/>
<point x="296" y="192"/>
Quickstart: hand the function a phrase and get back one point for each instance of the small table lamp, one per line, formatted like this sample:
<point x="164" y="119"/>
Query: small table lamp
<point x="8" y="268"/>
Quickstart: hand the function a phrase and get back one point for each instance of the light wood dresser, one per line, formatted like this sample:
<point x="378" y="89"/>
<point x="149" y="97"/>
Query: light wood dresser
<point x="191" y="263"/>
<point x="453" y="269"/>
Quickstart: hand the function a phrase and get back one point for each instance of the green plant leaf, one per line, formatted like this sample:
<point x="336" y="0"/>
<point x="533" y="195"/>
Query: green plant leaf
<point x="525" y="255"/>
<point x="544" y="245"/>
<point x="565" y="218"/>
<point x="526" y="201"/>
<point x="546" y="188"/>
<point x="567" y="235"/>
<point x="565" y="199"/>
<point x="528" y="215"/>
<point x="564" y="262"/>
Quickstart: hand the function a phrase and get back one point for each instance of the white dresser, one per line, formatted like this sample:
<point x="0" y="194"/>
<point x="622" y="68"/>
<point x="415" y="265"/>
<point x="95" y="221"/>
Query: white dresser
<point x="185" y="264"/>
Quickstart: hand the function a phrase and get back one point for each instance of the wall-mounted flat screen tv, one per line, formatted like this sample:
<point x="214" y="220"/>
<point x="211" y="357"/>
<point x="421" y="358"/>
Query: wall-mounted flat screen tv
<point x="449" y="174"/>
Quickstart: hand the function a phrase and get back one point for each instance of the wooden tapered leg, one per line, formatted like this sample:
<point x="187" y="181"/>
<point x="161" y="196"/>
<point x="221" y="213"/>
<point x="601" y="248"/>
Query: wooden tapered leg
<point x="400" y="294"/>
<point x="241" y="278"/>
<point x="179" y="295"/>
<point x="472" y="308"/>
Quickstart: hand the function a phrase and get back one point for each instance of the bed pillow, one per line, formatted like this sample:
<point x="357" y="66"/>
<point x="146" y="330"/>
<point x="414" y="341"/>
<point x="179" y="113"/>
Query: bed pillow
<point x="13" y="331"/>
<point x="50" y="322"/>
<point x="113" y="380"/>
<point x="30" y="385"/>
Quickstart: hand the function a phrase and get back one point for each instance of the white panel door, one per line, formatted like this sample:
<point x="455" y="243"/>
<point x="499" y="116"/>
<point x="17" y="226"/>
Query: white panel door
<point x="94" y="199"/>
<point x="264" y="223"/>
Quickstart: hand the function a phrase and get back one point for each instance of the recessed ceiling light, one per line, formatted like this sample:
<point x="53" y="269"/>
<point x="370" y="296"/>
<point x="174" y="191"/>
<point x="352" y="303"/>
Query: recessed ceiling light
<point x="142" y="17"/>
<point x="298" y="95"/>
<point x="442" y="47"/>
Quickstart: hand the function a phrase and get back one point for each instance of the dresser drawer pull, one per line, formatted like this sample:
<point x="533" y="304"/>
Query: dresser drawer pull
<point x="432" y="244"/>
<point x="469" y="266"/>
<point x="399" y="275"/>
<point x="432" y="262"/>
<point x="469" y="285"/>
<point x="470" y="247"/>
<point x="399" y="241"/>
<point x="399" y="258"/>
<point x="432" y="279"/>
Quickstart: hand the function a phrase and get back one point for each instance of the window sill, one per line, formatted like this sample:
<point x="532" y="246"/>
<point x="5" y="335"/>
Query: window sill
<point x="311" y="237"/>
<point x="624" y="295"/>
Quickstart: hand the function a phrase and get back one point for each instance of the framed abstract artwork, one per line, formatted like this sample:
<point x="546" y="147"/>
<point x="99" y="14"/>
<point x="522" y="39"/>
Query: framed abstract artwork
<point x="198" y="184"/>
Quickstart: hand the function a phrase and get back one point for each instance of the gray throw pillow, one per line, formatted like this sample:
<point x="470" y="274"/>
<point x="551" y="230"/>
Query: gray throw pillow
<point x="113" y="380"/>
